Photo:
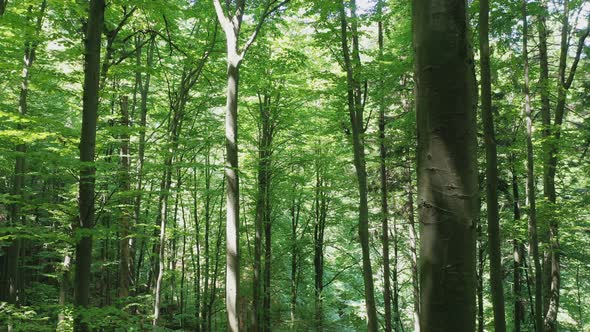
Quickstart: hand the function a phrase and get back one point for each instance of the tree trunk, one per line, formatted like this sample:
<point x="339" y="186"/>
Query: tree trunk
<point x="413" y="246"/>
<point x="493" y="217"/>
<point x="352" y="64"/>
<point x="231" y="26"/>
<point x="264" y="179"/>
<point x="232" y="285"/>
<point x="518" y="251"/>
<point x="295" y="210"/>
<point x="144" y="87"/>
<point x="532" y="225"/>
<point x="64" y="284"/>
<point x="564" y="82"/>
<point x="161" y="220"/>
<point x="447" y="165"/>
<point x="205" y="324"/>
<point x="125" y="264"/>
<point x="160" y="247"/>
<point x="87" y="169"/>
<point x="481" y="262"/>
<point x="10" y="283"/>
<point x="320" y="205"/>
<point x="383" y="180"/>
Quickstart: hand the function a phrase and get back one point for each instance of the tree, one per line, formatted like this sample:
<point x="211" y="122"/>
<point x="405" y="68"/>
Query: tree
<point x="231" y="24"/>
<point x="87" y="168"/>
<point x="552" y="133"/>
<point x="9" y="288"/>
<point x="356" y="105"/>
<point x="495" y="251"/>
<point x="447" y="176"/>
<point x="532" y="226"/>
<point x="383" y="180"/>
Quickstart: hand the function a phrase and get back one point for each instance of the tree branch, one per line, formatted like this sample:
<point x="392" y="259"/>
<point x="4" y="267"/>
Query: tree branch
<point x="570" y="77"/>
<point x="221" y="17"/>
<point x="270" y="8"/>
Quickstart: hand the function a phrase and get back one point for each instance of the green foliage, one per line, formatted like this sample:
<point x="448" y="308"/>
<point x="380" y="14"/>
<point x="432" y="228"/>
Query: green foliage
<point x="296" y="62"/>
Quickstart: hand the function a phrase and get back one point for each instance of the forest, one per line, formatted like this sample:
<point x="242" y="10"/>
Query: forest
<point x="293" y="165"/>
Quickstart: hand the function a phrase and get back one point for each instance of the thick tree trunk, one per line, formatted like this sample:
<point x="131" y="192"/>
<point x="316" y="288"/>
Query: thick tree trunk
<point x="232" y="283"/>
<point x="447" y="165"/>
<point x="493" y="217"/>
<point x="87" y="168"/>
<point x="532" y="225"/>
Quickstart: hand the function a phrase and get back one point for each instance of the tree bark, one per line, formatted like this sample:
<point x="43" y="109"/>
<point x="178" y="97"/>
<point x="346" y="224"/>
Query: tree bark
<point x="493" y="217"/>
<point x="87" y="169"/>
<point x="532" y="224"/>
<point x="233" y="198"/>
<point x="447" y="170"/>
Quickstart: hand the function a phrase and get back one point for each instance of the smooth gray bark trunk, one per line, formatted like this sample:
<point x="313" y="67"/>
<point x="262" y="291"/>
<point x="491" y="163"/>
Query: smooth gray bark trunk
<point x="447" y="165"/>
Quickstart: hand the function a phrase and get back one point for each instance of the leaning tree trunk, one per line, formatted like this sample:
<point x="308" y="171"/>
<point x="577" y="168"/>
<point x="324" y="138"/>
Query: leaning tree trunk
<point x="87" y="168"/>
<point x="447" y="164"/>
